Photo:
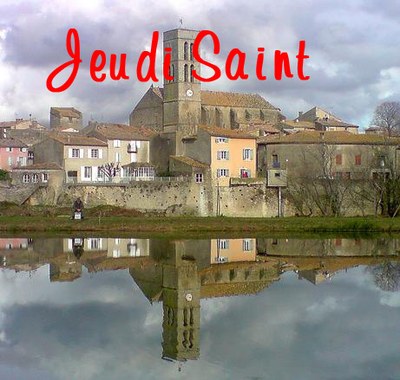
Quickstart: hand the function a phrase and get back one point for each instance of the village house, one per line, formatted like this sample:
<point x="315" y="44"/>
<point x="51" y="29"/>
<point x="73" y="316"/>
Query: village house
<point x="317" y="119"/>
<point x="128" y="147"/>
<point x="229" y="154"/>
<point x="336" y="154"/>
<point x="12" y="153"/>
<point x="45" y="174"/>
<point x="65" y="118"/>
<point x="82" y="158"/>
<point x="7" y="127"/>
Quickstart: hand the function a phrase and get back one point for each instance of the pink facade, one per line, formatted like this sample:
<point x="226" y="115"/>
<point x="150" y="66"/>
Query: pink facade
<point x="12" y="153"/>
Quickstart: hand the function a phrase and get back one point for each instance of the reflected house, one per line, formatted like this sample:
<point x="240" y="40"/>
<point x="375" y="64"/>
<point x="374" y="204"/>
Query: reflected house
<point x="112" y="247"/>
<point x="327" y="247"/>
<point x="230" y="250"/>
<point x="315" y="276"/>
<point x="16" y="253"/>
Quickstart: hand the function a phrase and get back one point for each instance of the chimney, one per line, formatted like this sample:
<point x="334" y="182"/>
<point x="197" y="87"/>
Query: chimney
<point x="300" y="114"/>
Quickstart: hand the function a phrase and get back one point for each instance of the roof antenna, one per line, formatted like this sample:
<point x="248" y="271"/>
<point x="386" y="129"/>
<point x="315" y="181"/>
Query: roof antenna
<point x="181" y="22"/>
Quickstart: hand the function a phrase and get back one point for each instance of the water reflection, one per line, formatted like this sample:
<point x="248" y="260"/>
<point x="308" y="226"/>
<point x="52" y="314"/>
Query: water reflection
<point x="179" y="274"/>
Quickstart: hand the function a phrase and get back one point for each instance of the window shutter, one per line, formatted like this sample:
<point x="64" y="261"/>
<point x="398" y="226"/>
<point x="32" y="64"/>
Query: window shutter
<point x="251" y="154"/>
<point x="244" y="154"/>
<point x="227" y="154"/>
<point x="100" y="153"/>
<point x="218" y="155"/>
<point x="81" y="153"/>
<point x="69" y="152"/>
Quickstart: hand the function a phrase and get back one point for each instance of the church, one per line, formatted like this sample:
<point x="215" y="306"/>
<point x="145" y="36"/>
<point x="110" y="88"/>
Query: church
<point x="176" y="110"/>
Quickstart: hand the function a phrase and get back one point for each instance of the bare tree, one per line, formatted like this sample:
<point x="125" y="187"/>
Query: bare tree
<point x="387" y="276"/>
<point x="387" y="117"/>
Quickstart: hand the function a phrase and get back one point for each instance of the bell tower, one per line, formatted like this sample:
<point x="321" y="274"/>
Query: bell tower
<point x="182" y="95"/>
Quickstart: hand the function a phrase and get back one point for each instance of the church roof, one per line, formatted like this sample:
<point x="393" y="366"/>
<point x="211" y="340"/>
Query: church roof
<point x="234" y="99"/>
<point x="226" y="99"/>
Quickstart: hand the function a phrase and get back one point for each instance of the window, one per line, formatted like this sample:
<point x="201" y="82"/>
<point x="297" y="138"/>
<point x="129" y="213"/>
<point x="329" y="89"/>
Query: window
<point x="22" y="150"/>
<point x="45" y="177"/>
<point x="117" y="143"/>
<point x="9" y="246"/>
<point x="35" y="178"/>
<point x="10" y="161"/>
<point x="8" y="149"/>
<point x="199" y="177"/>
<point x="94" y="243"/>
<point x="116" y="253"/>
<point x="185" y="73"/>
<point x="117" y="241"/>
<point x="87" y="173"/>
<point x="221" y="140"/>
<point x="223" y="243"/>
<point x="100" y="172"/>
<point x="30" y="155"/>
<point x="358" y="159"/>
<point x="94" y="153"/>
<point x="76" y="153"/>
<point x="247" y="154"/>
<point x="247" y="245"/>
<point x="338" y="159"/>
<point x="185" y="51"/>
<point x="245" y="173"/>
<point x="191" y="51"/>
<point x="191" y="73"/>
<point x="275" y="161"/>
<point x="222" y="172"/>
<point x="117" y="157"/>
<point x="25" y="178"/>
<point x="223" y="155"/>
<point x="132" y="147"/>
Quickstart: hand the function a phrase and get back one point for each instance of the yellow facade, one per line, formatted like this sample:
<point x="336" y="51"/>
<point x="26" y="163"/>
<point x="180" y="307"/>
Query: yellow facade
<point x="232" y="158"/>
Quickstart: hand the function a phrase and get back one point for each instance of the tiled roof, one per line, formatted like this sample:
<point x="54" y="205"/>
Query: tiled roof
<point x="335" y="123"/>
<point x="297" y="124"/>
<point x="12" y="143"/>
<point x="124" y="132"/>
<point x="259" y="129"/>
<point x="224" y="132"/>
<point x="66" y="111"/>
<point x="329" y="137"/>
<point x="190" y="161"/>
<point x="74" y="139"/>
<point x="21" y="124"/>
<point x="234" y="99"/>
<point x="40" y="166"/>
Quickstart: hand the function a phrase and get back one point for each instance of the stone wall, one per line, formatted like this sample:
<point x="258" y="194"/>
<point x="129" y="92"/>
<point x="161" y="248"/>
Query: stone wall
<point x="170" y="198"/>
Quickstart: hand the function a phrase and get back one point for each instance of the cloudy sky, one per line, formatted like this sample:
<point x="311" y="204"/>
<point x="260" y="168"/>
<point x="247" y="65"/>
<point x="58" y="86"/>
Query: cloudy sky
<point x="354" y="62"/>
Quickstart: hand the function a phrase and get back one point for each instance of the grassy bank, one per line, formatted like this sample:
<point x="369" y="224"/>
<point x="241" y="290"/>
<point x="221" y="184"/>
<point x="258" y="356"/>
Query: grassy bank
<point x="113" y="220"/>
<point x="182" y="226"/>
